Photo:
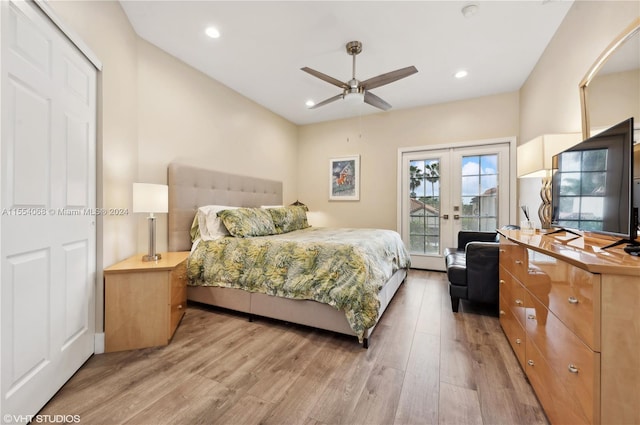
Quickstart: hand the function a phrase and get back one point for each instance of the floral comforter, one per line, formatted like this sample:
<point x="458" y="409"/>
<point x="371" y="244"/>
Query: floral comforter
<point x="345" y="268"/>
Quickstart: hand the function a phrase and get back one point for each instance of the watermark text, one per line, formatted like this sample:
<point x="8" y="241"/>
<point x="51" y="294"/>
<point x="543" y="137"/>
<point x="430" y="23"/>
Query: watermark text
<point x="64" y="211"/>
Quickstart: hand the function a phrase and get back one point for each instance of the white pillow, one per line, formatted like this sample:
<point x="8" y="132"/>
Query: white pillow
<point x="211" y="227"/>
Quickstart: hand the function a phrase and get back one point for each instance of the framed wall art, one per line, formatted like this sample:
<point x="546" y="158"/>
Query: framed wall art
<point x="344" y="178"/>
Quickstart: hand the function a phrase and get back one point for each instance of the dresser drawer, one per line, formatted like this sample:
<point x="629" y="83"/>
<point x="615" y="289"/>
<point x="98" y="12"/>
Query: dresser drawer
<point x="560" y="406"/>
<point x="513" y="331"/>
<point x="572" y="294"/>
<point x="512" y="292"/>
<point x="574" y="364"/>
<point x="512" y="257"/>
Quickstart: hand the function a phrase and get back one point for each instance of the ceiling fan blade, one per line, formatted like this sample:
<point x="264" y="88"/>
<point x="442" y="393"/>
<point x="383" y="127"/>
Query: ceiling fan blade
<point x="374" y="100"/>
<point x="388" y="77"/>
<point x="325" y="77"/>
<point x="324" y="102"/>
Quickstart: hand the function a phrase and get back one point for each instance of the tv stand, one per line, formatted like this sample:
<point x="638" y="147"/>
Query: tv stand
<point x="562" y="229"/>
<point x="622" y="241"/>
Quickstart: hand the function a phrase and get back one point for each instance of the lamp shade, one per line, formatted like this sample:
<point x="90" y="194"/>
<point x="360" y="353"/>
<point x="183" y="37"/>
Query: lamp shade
<point x="535" y="156"/>
<point x="150" y="198"/>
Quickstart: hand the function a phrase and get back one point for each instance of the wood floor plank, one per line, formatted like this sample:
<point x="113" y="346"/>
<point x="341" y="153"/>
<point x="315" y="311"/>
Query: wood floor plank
<point x="425" y="365"/>
<point x="286" y="365"/>
<point x="431" y="309"/>
<point x="379" y="399"/>
<point x="248" y="410"/>
<point x="420" y="389"/>
<point x="187" y="403"/>
<point x="300" y="398"/>
<point x="123" y="391"/>
<point x="459" y="405"/>
<point x="336" y="403"/>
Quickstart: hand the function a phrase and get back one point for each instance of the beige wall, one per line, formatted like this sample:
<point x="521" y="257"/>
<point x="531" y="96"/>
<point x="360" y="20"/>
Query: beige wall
<point x="549" y="99"/>
<point x="377" y="138"/>
<point x="614" y="98"/>
<point x="183" y="114"/>
<point x="104" y="27"/>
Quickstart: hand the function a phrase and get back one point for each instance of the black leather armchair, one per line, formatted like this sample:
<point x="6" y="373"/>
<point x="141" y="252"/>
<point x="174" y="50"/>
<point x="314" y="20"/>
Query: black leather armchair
<point x="472" y="268"/>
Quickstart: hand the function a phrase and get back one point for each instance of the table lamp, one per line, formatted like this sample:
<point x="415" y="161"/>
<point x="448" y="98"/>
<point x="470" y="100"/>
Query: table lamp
<point x="151" y="198"/>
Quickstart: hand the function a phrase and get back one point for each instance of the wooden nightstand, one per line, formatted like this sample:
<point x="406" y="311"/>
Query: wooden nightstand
<point x="144" y="301"/>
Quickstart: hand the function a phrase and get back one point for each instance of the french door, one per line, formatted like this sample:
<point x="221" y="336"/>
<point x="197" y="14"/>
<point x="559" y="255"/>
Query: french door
<point x="448" y="190"/>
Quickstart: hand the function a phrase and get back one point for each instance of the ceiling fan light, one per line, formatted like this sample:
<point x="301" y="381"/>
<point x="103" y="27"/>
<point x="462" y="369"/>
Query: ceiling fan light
<point x="354" y="98"/>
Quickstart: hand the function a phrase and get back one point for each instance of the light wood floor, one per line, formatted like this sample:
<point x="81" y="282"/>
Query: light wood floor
<point x="425" y="365"/>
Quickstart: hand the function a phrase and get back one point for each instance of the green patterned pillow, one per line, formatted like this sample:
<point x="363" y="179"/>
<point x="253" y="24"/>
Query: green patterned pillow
<point x="195" y="229"/>
<point x="288" y="219"/>
<point x="247" y="222"/>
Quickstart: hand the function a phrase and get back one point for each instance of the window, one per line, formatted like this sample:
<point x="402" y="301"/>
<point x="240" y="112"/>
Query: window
<point x="479" y="192"/>
<point x="424" y="214"/>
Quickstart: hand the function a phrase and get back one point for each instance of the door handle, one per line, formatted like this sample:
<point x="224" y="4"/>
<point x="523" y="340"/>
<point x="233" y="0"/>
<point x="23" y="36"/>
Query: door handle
<point x="445" y="216"/>
<point x="456" y="217"/>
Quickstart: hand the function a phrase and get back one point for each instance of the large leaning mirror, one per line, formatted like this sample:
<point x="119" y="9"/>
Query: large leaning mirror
<point x="610" y="91"/>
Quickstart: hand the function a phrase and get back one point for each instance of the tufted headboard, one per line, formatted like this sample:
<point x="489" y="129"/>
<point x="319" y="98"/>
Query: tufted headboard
<point x="191" y="187"/>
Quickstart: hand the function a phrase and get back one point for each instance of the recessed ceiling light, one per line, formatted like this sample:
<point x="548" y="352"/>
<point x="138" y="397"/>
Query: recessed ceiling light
<point x="309" y="103"/>
<point x="461" y="74"/>
<point x="212" y="32"/>
<point x="469" y="10"/>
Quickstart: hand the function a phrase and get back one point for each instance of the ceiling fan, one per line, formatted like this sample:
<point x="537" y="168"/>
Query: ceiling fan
<point x="361" y="88"/>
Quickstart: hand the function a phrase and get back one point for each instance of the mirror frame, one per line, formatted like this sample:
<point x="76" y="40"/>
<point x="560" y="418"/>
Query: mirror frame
<point x="626" y="34"/>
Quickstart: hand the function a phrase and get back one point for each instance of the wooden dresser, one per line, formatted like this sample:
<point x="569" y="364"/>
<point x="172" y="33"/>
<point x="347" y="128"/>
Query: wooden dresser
<point x="144" y="301"/>
<point x="571" y="313"/>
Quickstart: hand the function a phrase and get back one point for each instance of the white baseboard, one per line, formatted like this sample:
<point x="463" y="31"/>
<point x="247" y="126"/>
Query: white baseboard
<point x="98" y="344"/>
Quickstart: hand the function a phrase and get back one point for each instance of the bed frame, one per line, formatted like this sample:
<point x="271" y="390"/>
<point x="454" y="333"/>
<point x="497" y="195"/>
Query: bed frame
<point x="191" y="187"/>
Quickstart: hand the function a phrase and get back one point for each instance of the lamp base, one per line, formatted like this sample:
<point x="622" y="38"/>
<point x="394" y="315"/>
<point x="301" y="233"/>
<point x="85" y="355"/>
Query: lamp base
<point x="544" y="212"/>
<point x="155" y="257"/>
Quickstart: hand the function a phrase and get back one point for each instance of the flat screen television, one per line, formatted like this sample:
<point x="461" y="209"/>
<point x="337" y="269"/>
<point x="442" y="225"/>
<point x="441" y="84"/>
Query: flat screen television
<point x="592" y="185"/>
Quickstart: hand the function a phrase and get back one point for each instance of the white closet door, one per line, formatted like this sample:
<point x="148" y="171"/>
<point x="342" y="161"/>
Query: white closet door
<point x="47" y="227"/>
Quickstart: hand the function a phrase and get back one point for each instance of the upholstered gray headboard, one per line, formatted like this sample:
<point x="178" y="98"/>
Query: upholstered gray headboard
<point x="192" y="187"/>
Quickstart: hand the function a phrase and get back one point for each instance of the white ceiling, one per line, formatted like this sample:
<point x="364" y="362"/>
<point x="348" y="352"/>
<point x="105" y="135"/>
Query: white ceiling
<point x="263" y="45"/>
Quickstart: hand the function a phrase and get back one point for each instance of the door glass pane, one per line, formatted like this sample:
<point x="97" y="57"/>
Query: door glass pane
<point x="479" y="192"/>
<point x="424" y="211"/>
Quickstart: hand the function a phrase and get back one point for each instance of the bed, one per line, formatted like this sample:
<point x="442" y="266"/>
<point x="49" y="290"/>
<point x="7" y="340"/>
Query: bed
<point x="192" y="187"/>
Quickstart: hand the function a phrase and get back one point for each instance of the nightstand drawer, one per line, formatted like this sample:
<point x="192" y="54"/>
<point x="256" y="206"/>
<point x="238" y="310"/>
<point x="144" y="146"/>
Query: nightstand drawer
<point x="178" y="295"/>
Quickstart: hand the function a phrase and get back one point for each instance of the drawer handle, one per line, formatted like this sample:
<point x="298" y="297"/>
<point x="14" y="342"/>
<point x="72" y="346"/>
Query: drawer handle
<point x="519" y="302"/>
<point x="502" y="313"/>
<point x="501" y="282"/>
<point x="518" y="341"/>
<point x="530" y="362"/>
<point x="573" y="369"/>
<point x="531" y="317"/>
<point x="502" y="250"/>
<point x="519" y="261"/>
<point x="572" y="300"/>
<point x="179" y="306"/>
